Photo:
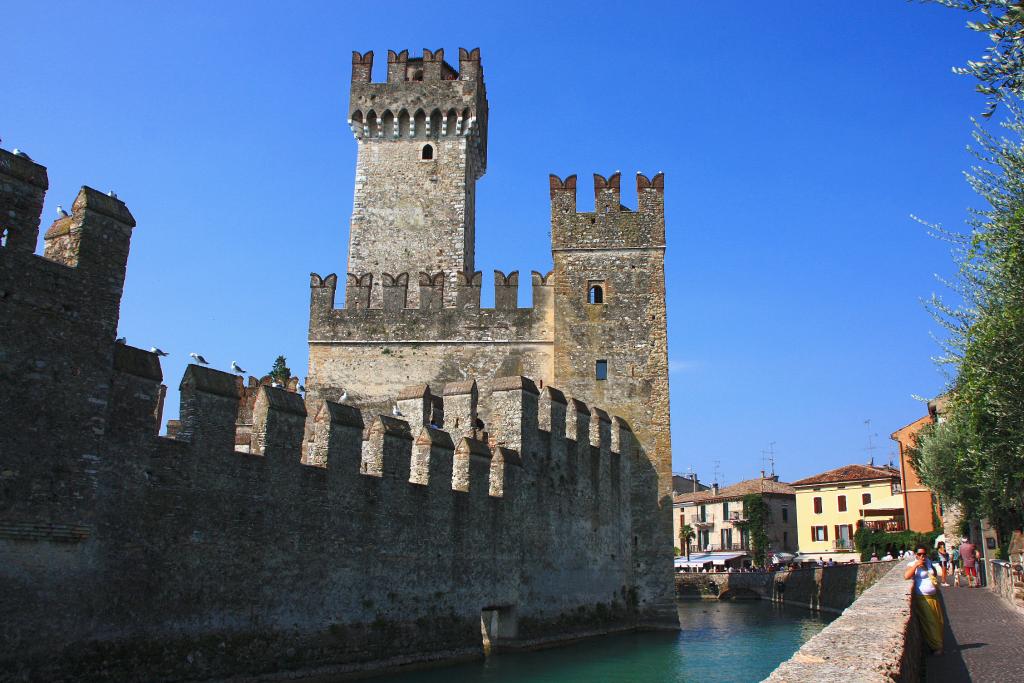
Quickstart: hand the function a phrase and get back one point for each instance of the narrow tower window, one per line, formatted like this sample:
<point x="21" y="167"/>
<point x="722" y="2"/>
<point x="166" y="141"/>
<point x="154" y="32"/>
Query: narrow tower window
<point x="601" y="370"/>
<point x="427" y="153"/>
<point x="595" y="295"/>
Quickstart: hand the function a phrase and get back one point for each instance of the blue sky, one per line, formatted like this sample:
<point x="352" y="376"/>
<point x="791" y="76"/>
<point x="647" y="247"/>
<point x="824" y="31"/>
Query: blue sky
<point x="796" y="138"/>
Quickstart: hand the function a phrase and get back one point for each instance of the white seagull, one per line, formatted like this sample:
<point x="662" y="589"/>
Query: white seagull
<point x="237" y="368"/>
<point x="153" y="349"/>
<point x="277" y="385"/>
<point x="344" y="396"/>
<point x="395" y="411"/>
<point x="121" y="340"/>
<point x="199" y="359"/>
<point x="61" y="212"/>
<point x="112" y="194"/>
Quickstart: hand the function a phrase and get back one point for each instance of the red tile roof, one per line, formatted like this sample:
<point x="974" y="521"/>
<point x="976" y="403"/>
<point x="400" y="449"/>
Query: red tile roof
<point x="738" y="490"/>
<point x="851" y="473"/>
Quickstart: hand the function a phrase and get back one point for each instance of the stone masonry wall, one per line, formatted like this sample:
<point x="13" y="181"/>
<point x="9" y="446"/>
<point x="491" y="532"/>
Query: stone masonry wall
<point x="128" y="556"/>
<point x="828" y="589"/>
<point x="875" y="640"/>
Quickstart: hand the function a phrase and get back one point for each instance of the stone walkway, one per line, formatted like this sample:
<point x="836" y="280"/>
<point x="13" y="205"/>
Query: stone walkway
<point x="984" y="640"/>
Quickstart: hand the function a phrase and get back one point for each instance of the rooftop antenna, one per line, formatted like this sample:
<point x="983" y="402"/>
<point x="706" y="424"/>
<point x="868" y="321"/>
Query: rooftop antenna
<point x="871" y="443"/>
<point x="771" y="456"/>
<point x="717" y="472"/>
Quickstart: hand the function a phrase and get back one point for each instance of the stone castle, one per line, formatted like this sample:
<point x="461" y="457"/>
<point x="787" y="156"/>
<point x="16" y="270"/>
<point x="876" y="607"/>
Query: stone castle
<point x="447" y="506"/>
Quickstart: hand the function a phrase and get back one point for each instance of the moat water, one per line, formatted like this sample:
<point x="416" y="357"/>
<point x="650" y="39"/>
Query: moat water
<point x="729" y="642"/>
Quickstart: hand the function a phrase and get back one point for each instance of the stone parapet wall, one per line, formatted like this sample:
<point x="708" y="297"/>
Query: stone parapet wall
<point x="876" y="639"/>
<point x="828" y="589"/>
<point x="1005" y="581"/>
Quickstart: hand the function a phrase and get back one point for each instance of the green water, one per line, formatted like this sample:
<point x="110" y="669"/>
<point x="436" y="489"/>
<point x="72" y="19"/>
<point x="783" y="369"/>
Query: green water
<point x="719" y="641"/>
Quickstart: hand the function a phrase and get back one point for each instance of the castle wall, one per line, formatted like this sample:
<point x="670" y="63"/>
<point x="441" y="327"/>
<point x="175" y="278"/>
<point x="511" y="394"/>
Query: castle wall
<point x="372" y="353"/>
<point x="125" y="555"/>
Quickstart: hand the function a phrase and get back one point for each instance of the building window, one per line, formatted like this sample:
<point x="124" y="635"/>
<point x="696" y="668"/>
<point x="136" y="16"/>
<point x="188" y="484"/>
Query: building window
<point x="703" y="515"/>
<point x="865" y="498"/>
<point x="417" y="75"/>
<point x="842" y="503"/>
<point x="817" y="505"/>
<point x="785" y="514"/>
<point x="726" y="539"/>
<point x="896" y="488"/>
<point x="601" y="370"/>
<point x="785" y="540"/>
<point x="819" y="533"/>
<point x="427" y="153"/>
<point x="725" y="510"/>
<point x="595" y="294"/>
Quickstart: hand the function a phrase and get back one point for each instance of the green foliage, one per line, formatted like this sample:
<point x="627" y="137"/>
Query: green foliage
<point x="758" y="514"/>
<point x="975" y="456"/>
<point x="869" y="540"/>
<point x="281" y="372"/>
<point x="1000" y="71"/>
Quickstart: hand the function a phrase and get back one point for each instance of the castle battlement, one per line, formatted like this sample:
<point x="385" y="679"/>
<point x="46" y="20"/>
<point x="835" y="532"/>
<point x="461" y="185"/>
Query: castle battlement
<point x="586" y="446"/>
<point x="433" y="291"/>
<point x="611" y="225"/>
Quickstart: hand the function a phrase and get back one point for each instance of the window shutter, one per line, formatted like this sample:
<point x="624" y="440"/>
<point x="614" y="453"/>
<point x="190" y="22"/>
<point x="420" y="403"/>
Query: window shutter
<point x="825" y="529"/>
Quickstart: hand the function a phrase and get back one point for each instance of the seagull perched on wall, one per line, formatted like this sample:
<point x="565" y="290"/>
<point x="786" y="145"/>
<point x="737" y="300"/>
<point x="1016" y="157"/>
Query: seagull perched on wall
<point x="237" y="368"/>
<point x="61" y="212"/>
<point x="112" y="194"/>
<point x="277" y="385"/>
<point x="344" y="396"/>
<point x="199" y="359"/>
<point x="121" y="340"/>
<point x="153" y="349"/>
<point x="18" y="153"/>
<point x="395" y="411"/>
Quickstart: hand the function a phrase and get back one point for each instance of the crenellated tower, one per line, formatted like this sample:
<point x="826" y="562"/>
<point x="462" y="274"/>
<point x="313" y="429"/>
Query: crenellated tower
<point x="422" y="138"/>
<point x="611" y="339"/>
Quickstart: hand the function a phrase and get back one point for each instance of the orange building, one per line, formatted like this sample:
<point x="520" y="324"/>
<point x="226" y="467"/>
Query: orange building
<point x="920" y="504"/>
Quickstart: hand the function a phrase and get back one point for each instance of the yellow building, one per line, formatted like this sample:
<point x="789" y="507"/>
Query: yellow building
<point x="832" y="505"/>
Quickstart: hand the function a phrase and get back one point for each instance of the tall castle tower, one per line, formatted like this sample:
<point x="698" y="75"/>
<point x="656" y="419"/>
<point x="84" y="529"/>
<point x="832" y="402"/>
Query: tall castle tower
<point x="422" y="140"/>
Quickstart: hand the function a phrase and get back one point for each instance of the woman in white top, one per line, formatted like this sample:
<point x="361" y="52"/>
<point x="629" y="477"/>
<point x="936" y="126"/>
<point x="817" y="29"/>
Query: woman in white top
<point x="925" y="598"/>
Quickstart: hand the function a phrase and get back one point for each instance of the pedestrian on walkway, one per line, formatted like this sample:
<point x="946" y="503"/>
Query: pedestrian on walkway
<point x="943" y="561"/>
<point x="925" y="597"/>
<point x="969" y="556"/>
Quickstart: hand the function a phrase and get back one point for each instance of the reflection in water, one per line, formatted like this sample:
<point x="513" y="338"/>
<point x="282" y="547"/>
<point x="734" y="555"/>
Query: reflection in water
<point x="719" y="641"/>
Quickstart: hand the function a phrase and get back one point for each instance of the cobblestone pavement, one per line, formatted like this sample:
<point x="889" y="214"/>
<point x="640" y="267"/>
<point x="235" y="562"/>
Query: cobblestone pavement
<point x="984" y="639"/>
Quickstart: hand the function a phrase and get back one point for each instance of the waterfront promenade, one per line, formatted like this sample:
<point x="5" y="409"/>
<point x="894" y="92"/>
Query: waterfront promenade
<point x="984" y="639"/>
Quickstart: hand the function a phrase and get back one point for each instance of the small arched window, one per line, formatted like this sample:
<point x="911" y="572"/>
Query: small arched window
<point x="417" y="76"/>
<point x="427" y="153"/>
<point x="595" y="295"/>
